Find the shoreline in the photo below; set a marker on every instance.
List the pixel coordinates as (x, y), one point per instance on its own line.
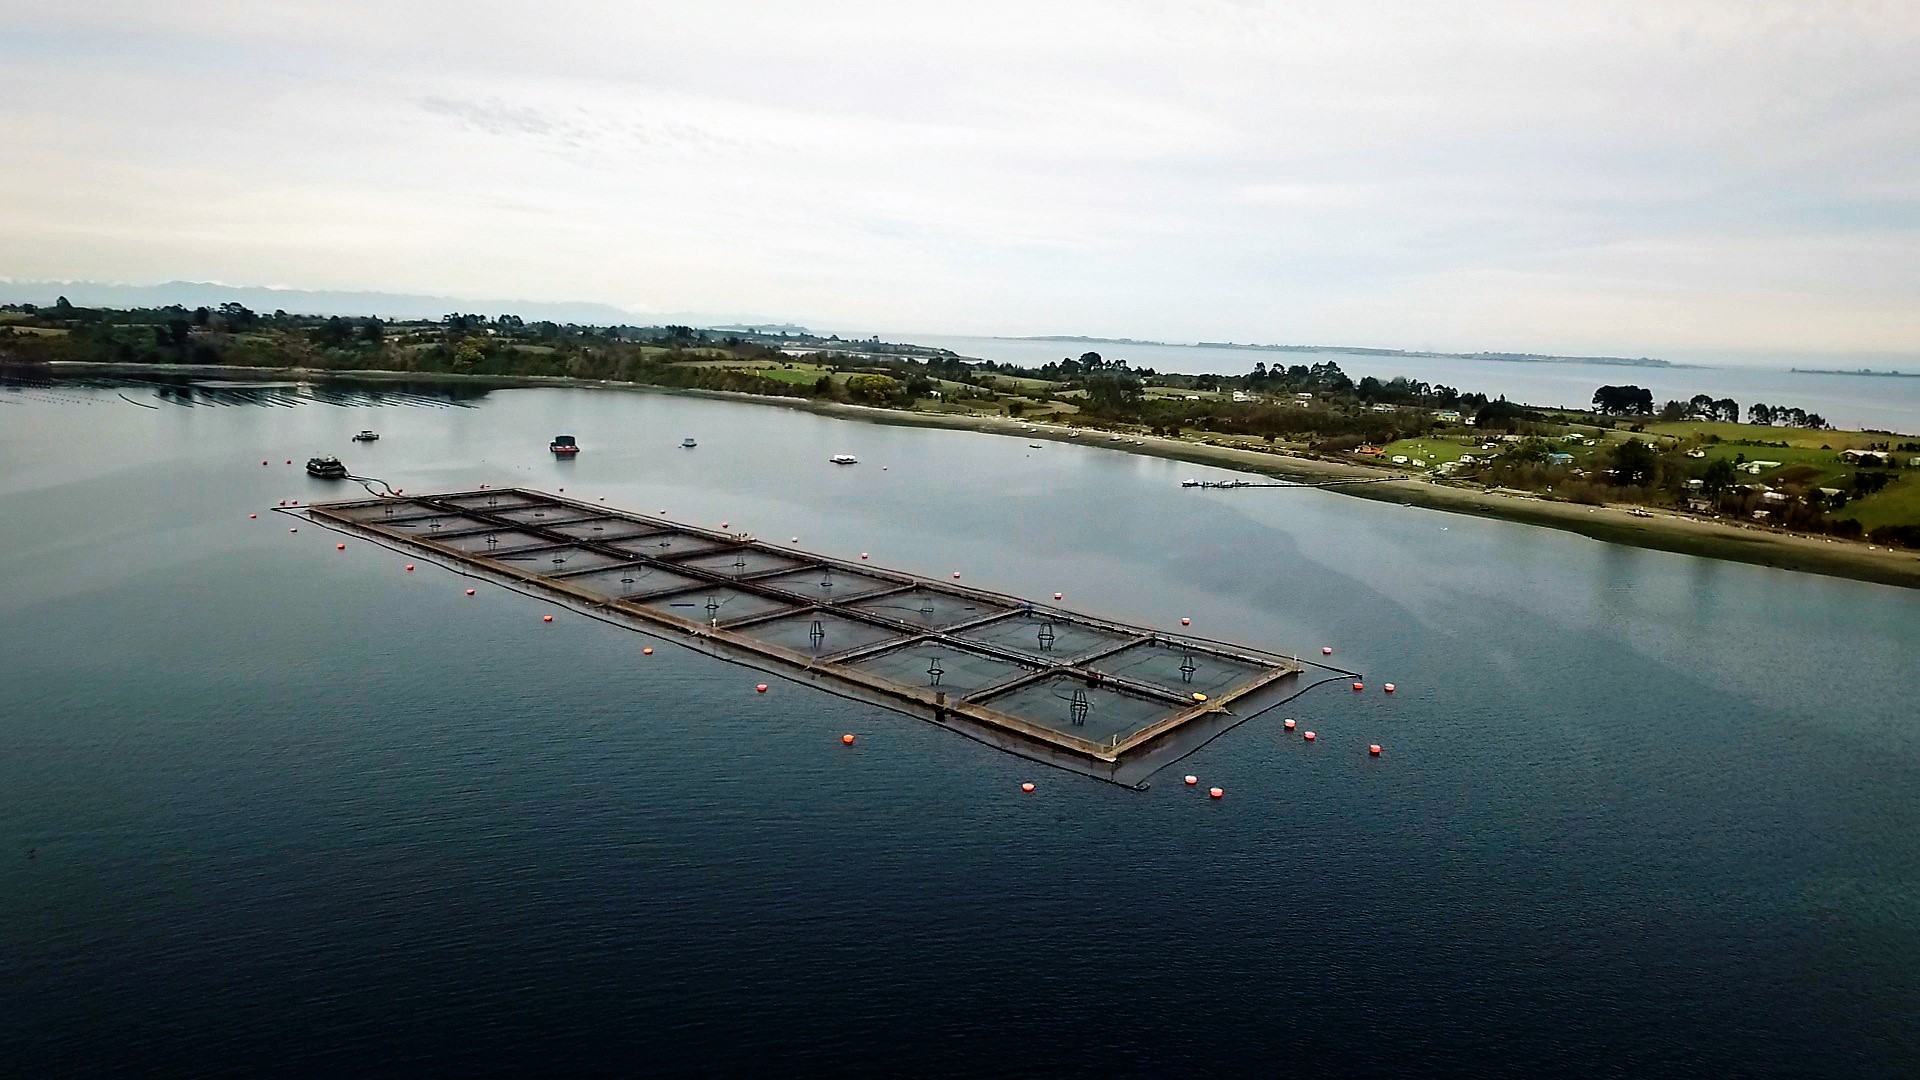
(1665, 531)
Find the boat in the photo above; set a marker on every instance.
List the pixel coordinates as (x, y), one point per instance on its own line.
(367, 436)
(326, 468)
(688, 444)
(844, 459)
(564, 445)
(1035, 446)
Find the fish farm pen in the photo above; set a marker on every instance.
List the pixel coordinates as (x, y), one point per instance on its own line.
(1102, 698)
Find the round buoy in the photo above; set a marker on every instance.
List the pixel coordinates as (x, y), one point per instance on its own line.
(251, 517)
(1059, 596)
(263, 463)
(846, 740)
(795, 540)
(1192, 780)
(723, 524)
(1197, 696)
(1308, 736)
(648, 651)
(759, 688)
(469, 592)
(1216, 793)
(1290, 724)
(1027, 787)
(546, 618)
(1389, 688)
(293, 530)
(293, 502)
(1374, 749)
(863, 554)
(1186, 622)
(282, 502)
(339, 547)
(563, 489)
(1326, 650)
(289, 461)
(956, 573)
(1359, 686)
(409, 568)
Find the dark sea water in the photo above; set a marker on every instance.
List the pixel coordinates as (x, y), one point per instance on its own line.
(271, 809)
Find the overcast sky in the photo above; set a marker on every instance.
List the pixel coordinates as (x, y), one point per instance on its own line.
(1662, 178)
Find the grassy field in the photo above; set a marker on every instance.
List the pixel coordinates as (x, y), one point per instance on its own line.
(1431, 450)
(1896, 504)
(1838, 440)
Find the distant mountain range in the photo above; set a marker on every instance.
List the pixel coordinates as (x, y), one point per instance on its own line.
(193, 294)
(1521, 358)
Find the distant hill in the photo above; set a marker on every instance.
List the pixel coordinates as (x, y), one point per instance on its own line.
(306, 301)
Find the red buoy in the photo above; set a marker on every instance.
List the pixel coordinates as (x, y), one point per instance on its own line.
(863, 554)
(339, 547)
(1374, 749)
(1192, 780)
(1326, 650)
(723, 524)
(760, 688)
(289, 461)
(1308, 736)
(1216, 793)
(1389, 688)
(1186, 622)
(546, 618)
(1027, 787)
(469, 592)
(956, 573)
(1359, 686)
(251, 517)
(846, 740)
(1289, 723)
(409, 568)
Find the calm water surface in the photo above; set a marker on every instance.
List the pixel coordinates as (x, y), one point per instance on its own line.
(266, 807)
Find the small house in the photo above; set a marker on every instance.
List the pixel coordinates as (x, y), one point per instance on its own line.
(1775, 497)
(1866, 457)
(1447, 416)
(1696, 485)
(1399, 459)
(1380, 408)
(1303, 396)
(1559, 459)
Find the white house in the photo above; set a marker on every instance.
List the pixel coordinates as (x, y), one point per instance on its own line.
(1866, 457)
(1449, 416)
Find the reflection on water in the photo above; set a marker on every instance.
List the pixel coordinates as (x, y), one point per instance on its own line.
(185, 391)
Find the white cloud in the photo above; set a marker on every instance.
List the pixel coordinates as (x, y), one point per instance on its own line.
(1617, 177)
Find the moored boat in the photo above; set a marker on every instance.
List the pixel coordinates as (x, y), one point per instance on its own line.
(844, 459)
(564, 445)
(326, 468)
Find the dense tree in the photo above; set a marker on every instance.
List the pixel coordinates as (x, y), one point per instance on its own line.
(1623, 400)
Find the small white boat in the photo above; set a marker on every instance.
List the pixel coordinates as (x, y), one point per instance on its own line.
(688, 444)
(844, 459)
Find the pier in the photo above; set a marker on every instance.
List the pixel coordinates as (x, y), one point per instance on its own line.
(1101, 697)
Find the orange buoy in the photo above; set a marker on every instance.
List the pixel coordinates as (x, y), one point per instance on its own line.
(546, 618)
(1192, 780)
(339, 547)
(1027, 787)
(1197, 696)
(1308, 736)
(760, 688)
(1289, 723)
(846, 740)
(1186, 622)
(409, 568)
(648, 651)
(1389, 688)
(1374, 749)
(1359, 686)
(1216, 793)
(1326, 650)
(469, 592)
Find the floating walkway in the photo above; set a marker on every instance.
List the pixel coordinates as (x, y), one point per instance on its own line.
(1102, 698)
